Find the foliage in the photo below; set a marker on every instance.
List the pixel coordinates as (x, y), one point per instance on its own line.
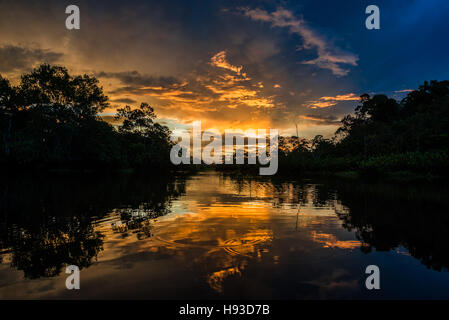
(51, 120)
(383, 135)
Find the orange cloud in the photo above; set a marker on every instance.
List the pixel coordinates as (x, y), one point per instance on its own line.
(325, 102)
(343, 97)
(219, 60)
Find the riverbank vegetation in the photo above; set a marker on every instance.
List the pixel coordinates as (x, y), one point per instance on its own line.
(51, 121)
(382, 137)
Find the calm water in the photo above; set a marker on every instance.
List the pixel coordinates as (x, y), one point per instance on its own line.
(213, 236)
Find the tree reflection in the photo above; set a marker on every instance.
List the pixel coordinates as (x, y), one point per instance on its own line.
(385, 217)
(156, 201)
(47, 223)
(44, 250)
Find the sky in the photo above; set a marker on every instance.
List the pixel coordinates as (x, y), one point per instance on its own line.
(235, 64)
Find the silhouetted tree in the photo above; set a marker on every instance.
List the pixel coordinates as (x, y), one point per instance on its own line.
(51, 119)
(383, 134)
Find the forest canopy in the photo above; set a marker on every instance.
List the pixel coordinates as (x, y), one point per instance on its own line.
(382, 135)
(51, 120)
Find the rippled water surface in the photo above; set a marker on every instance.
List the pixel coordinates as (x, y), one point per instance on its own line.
(215, 236)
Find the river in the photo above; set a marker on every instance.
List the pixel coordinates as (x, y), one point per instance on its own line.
(212, 236)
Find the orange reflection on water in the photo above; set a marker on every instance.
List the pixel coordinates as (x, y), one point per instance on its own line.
(331, 241)
(222, 225)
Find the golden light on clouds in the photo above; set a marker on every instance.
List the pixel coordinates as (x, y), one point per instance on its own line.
(325, 102)
(221, 95)
(343, 97)
(219, 60)
(239, 80)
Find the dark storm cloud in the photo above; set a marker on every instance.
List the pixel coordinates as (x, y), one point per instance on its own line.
(124, 100)
(16, 58)
(134, 78)
(322, 119)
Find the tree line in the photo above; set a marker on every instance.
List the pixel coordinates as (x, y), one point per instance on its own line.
(382, 135)
(50, 120)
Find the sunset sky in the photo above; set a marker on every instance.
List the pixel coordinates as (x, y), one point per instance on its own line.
(235, 64)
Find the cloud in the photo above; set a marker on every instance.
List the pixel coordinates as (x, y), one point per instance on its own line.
(17, 58)
(124, 100)
(134, 78)
(219, 60)
(166, 89)
(329, 56)
(216, 91)
(236, 88)
(221, 85)
(322, 104)
(325, 102)
(342, 97)
(321, 119)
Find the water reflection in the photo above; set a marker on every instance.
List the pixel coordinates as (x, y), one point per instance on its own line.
(47, 224)
(416, 219)
(215, 236)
